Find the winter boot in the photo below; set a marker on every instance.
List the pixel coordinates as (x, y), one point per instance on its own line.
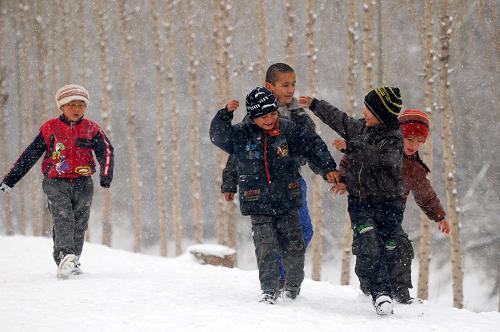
(402, 295)
(383, 305)
(269, 297)
(78, 269)
(67, 266)
(292, 291)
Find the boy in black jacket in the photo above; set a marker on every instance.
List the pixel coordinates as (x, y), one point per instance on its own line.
(374, 152)
(267, 150)
(280, 80)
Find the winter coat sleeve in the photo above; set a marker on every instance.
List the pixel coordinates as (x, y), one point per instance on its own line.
(105, 156)
(346, 126)
(27, 159)
(222, 133)
(386, 153)
(425, 196)
(308, 144)
(230, 176)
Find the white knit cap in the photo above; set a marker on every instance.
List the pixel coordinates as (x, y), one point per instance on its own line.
(71, 92)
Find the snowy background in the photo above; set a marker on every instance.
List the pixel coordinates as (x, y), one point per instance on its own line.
(45, 44)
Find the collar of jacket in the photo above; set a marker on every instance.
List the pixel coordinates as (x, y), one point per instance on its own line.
(68, 122)
(416, 157)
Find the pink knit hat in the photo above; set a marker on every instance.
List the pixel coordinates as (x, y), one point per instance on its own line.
(71, 92)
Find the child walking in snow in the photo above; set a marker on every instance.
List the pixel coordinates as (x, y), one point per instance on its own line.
(68, 163)
(267, 149)
(374, 151)
(280, 80)
(415, 129)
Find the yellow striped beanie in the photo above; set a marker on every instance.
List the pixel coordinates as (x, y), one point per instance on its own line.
(385, 103)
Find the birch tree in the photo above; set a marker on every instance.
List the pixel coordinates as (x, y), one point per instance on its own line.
(7, 217)
(195, 132)
(161, 156)
(289, 36)
(106, 111)
(131, 126)
(26, 107)
(317, 201)
(352, 37)
(263, 38)
(425, 32)
(42, 110)
(367, 46)
(174, 135)
(446, 22)
(380, 44)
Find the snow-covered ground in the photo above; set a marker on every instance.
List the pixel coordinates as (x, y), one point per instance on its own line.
(123, 291)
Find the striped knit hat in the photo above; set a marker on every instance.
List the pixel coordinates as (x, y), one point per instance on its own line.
(69, 93)
(385, 103)
(259, 102)
(414, 123)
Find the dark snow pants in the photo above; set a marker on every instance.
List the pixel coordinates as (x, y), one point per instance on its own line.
(69, 204)
(275, 236)
(401, 278)
(377, 229)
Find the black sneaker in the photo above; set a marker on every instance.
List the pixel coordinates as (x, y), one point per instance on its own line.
(402, 295)
(269, 297)
(292, 291)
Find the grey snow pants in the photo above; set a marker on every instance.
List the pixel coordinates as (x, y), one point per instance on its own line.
(274, 236)
(69, 203)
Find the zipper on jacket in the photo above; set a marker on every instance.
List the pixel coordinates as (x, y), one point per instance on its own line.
(266, 166)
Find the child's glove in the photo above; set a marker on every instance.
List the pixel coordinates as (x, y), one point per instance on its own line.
(4, 187)
(105, 182)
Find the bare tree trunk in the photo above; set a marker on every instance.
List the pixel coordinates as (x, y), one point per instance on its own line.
(195, 132)
(42, 110)
(131, 130)
(228, 210)
(85, 73)
(66, 56)
(345, 274)
(289, 27)
(456, 260)
(21, 124)
(220, 155)
(367, 46)
(317, 201)
(161, 156)
(380, 46)
(263, 38)
(28, 116)
(102, 32)
(174, 135)
(7, 220)
(425, 29)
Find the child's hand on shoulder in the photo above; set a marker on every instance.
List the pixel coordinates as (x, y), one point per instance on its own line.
(232, 105)
(305, 101)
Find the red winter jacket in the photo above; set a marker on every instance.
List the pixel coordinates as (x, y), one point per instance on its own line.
(68, 150)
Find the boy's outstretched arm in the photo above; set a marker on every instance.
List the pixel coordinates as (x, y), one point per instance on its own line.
(27, 159)
(105, 156)
(308, 144)
(221, 131)
(339, 121)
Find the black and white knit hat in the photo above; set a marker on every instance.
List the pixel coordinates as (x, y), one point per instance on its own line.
(385, 103)
(70, 93)
(259, 102)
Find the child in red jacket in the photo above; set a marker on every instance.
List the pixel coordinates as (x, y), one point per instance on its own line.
(67, 143)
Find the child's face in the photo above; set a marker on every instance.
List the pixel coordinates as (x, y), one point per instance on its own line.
(371, 120)
(284, 87)
(412, 144)
(267, 121)
(74, 110)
